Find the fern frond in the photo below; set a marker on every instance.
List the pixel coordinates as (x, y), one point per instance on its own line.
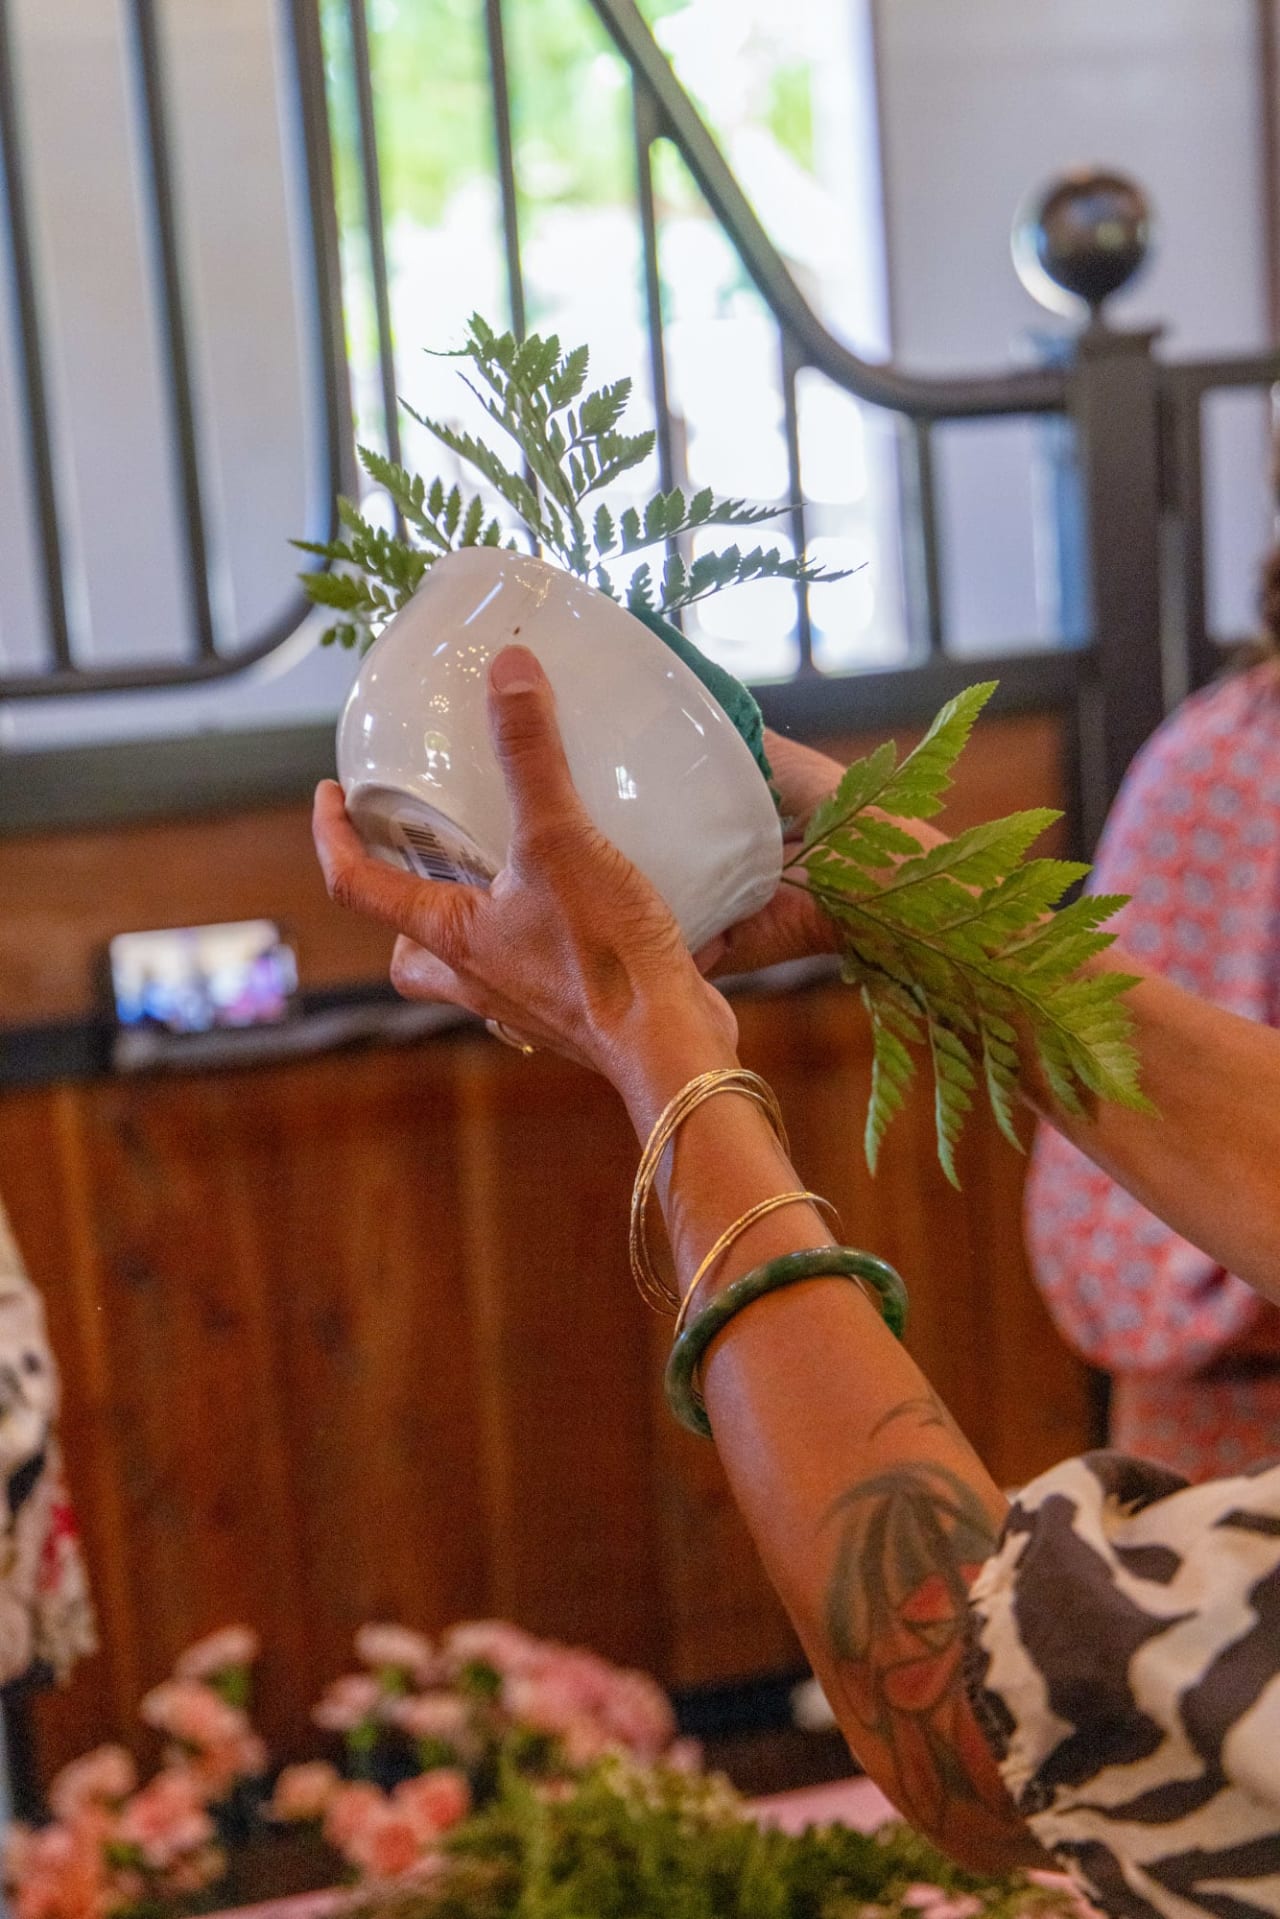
(953, 1083)
(962, 934)
(895, 1029)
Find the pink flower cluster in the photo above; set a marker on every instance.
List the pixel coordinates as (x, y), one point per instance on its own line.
(591, 1707)
(488, 1679)
(382, 1835)
(112, 1845)
(207, 1737)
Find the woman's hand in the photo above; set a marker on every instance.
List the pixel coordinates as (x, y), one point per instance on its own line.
(570, 947)
(792, 926)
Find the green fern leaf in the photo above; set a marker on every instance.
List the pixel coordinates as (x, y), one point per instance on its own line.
(924, 776)
(953, 1082)
(862, 786)
(473, 522)
(894, 1030)
(673, 579)
(1000, 1071)
(569, 378)
(640, 591)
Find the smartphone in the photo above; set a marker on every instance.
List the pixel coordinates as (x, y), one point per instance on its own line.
(185, 980)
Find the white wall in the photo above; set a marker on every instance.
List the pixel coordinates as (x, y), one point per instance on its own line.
(984, 101)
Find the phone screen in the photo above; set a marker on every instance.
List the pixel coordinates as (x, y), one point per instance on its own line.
(200, 979)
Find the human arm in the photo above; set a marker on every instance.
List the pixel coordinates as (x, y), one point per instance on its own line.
(1204, 1160)
(870, 1510)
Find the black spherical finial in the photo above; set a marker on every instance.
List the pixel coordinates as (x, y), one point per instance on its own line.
(1081, 238)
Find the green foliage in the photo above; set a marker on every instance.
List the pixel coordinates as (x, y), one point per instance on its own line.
(624, 1844)
(569, 446)
(956, 948)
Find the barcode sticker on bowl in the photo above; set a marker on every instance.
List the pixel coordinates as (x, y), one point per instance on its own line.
(425, 854)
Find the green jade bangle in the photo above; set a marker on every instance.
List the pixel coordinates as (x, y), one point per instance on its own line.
(823, 1262)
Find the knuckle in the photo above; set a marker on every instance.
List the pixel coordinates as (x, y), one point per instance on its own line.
(522, 725)
(555, 839)
(340, 882)
(450, 940)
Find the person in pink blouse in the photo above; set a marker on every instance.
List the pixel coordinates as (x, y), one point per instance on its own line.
(1194, 837)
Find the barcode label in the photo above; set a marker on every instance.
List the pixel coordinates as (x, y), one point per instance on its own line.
(425, 855)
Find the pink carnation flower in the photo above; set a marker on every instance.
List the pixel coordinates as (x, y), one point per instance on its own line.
(304, 1792)
(167, 1819)
(638, 1714)
(397, 1649)
(437, 1800)
(225, 1651)
(219, 1766)
(349, 1809)
(193, 1713)
(348, 1703)
(386, 1845)
(102, 1777)
(58, 1874)
(431, 1715)
(492, 1642)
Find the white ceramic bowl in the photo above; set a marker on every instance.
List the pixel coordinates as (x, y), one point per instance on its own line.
(662, 770)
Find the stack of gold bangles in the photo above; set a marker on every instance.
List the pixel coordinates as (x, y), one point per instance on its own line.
(693, 1336)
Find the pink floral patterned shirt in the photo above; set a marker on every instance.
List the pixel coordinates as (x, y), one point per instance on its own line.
(1194, 837)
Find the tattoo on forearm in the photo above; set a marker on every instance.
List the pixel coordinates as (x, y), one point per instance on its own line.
(927, 1410)
(910, 1541)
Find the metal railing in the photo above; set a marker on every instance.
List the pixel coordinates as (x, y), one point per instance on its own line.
(1137, 422)
(213, 654)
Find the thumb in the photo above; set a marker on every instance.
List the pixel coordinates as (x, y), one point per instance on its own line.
(526, 738)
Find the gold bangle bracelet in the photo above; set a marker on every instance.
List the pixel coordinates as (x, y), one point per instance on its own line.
(728, 1079)
(753, 1213)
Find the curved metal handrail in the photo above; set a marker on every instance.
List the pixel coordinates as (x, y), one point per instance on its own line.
(1029, 390)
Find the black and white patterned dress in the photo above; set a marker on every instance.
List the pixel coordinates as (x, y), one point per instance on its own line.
(1126, 1668)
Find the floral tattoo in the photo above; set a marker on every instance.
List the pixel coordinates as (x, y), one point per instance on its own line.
(910, 1542)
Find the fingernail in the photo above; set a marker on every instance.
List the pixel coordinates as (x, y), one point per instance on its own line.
(514, 670)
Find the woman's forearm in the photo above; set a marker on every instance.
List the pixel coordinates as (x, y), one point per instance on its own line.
(1207, 1160)
(870, 1511)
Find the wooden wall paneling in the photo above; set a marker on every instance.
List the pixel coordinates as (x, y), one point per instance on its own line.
(366, 1251)
(562, 1361)
(210, 1528)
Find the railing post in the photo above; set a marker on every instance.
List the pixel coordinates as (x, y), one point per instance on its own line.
(1075, 244)
(1115, 406)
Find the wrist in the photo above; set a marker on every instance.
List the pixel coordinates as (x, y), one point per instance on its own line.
(660, 1044)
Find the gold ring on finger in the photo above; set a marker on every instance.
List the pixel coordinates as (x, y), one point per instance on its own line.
(508, 1038)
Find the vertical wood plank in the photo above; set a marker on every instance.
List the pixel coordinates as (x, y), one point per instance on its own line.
(562, 1355)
